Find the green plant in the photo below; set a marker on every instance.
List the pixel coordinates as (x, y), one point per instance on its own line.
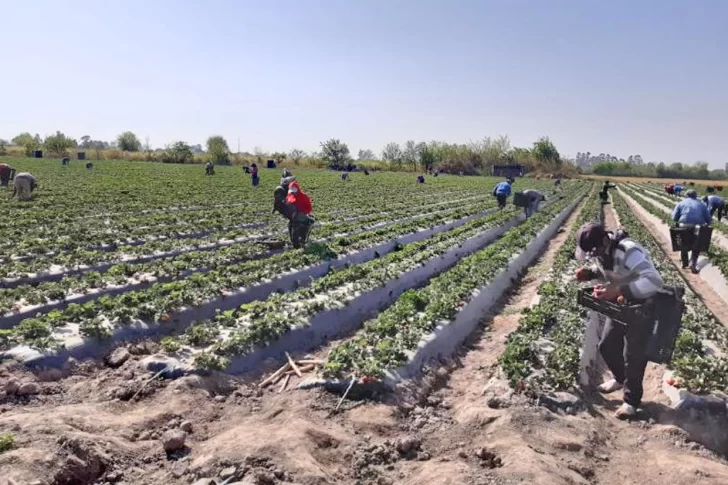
(7, 440)
(170, 344)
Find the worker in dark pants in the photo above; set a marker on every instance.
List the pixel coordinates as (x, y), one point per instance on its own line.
(604, 193)
(716, 205)
(629, 272)
(691, 213)
(534, 198)
(7, 173)
(501, 192)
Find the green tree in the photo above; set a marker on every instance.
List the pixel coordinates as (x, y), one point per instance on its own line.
(545, 152)
(335, 152)
(59, 144)
(366, 155)
(28, 142)
(177, 152)
(218, 149)
(128, 142)
(278, 156)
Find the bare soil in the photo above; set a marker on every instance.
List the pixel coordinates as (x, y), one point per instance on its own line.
(84, 427)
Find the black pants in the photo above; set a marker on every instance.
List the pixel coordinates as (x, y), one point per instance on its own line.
(694, 256)
(298, 230)
(501, 201)
(719, 209)
(623, 349)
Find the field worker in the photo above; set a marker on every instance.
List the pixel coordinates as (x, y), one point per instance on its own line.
(25, 184)
(670, 189)
(301, 222)
(715, 204)
(557, 183)
(89, 165)
(501, 192)
(209, 169)
(534, 198)
(254, 174)
(420, 179)
(690, 212)
(345, 176)
(604, 193)
(628, 270)
(6, 173)
(678, 190)
(286, 178)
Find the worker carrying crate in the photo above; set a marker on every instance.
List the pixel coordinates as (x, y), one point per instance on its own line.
(643, 316)
(692, 231)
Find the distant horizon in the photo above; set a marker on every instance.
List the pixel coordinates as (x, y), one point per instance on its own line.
(621, 77)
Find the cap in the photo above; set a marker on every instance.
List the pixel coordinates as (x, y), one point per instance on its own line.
(588, 238)
(692, 194)
(286, 173)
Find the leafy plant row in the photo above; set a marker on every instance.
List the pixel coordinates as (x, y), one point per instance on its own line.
(556, 319)
(385, 342)
(236, 332)
(124, 274)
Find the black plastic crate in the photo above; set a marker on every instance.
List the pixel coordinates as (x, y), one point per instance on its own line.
(624, 313)
(668, 309)
(684, 238)
(520, 199)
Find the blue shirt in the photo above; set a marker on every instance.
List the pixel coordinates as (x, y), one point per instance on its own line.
(714, 201)
(503, 188)
(691, 211)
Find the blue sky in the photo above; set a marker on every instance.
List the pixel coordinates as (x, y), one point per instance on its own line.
(624, 77)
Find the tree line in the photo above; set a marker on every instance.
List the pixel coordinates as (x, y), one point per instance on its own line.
(635, 166)
(471, 158)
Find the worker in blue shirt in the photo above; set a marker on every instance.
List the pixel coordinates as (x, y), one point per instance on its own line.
(501, 192)
(678, 189)
(690, 213)
(715, 204)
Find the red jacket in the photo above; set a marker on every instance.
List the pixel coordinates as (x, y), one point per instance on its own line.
(298, 198)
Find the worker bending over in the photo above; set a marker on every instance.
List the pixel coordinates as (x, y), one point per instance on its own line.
(629, 272)
(534, 198)
(501, 192)
(716, 205)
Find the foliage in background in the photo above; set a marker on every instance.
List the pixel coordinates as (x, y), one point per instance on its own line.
(334, 152)
(177, 152)
(217, 148)
(59, 144)
(128, 142)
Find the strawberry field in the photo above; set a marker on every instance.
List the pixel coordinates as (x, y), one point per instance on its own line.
(135, 250)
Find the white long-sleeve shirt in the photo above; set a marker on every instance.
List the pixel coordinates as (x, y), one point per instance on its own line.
(633, 271)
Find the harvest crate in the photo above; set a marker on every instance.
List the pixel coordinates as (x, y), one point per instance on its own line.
(684, 238)
(622, 313)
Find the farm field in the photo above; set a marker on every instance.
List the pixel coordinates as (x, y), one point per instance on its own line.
(422, 337)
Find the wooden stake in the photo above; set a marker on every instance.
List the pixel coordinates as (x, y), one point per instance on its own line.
(310, 361)
(284, 384)
(275, 375)
(351, 384)
(293, 365)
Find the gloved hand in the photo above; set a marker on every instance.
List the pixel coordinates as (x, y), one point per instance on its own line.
(584, 274)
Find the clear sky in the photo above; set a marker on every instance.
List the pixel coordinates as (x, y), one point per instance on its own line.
(623, 77)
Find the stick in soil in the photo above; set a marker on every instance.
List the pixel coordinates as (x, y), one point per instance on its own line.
(284, 384)
(148, 381)
(275, 375)
(293, 365)
(310, 361)
(351, 384)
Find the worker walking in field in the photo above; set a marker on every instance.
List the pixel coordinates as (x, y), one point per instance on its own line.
(254, 174)
(6, 174)
(716, 205)
(24, 186)
(690, 213)
(209, 169)
(534, 198)
(501, 192)
(629, 273)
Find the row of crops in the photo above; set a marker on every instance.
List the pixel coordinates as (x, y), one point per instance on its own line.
(544, 353)
(223, 298)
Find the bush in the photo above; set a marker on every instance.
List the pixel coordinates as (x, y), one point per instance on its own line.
(177, 152)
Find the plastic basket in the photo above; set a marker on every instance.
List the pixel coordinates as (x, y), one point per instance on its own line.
(684, 238)
(668, 309)
(624, 313)
(520, 199)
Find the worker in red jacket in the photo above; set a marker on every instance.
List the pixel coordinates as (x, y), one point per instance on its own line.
(302, 220)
